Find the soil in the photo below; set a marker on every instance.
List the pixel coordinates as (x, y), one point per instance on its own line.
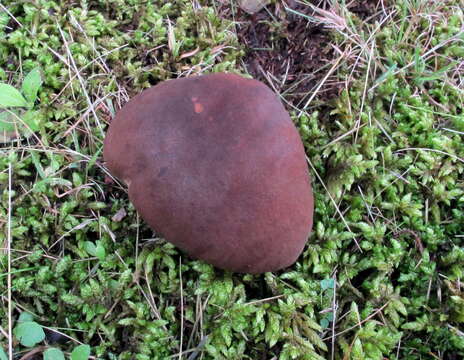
(368, 10)
(289, 53)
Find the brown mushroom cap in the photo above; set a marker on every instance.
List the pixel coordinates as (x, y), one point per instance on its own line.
(215, 164)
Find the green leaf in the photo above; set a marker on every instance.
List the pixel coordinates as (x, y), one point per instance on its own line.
(90, 248)
(400, 307)
(82, 352)
(29, 333)
(53, 354)
(357, 351)
(100, 252)
(25, 316)
(327, 284)
(7, 122)
(3, 355)
(330, 316)
(38, 166)
(42, 185)
(311, 323)
(31, 85)
(316, 339)
(94, 159)
(30, 118)
(273, 331)
(413, 325)
(324, 323)
(12, 124)
(387, 73)
(10, 97)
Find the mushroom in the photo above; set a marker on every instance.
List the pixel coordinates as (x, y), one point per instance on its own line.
(215, 164)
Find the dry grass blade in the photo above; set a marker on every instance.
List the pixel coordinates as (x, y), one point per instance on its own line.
(379, 310)
(181, 309)
(81, 80)
(330, 72)
(63, 334)
(4, 333)
(329, 18)
(151, 301)
(9, 285)
(358, 122)
(334, 312)
(33, 353)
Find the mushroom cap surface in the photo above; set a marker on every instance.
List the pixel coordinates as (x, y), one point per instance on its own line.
(215, 164)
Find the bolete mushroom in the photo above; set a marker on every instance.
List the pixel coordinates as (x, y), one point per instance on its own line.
(215, 164)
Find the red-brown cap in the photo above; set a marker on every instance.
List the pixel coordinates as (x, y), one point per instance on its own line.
(215, 164)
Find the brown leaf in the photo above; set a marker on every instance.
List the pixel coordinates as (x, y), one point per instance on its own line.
(190, 53)
(121, 214)
(253, 6)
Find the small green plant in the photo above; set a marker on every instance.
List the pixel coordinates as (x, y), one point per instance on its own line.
(3, 355)
(27, 331)
(97, 250)
(53, 354)
(17, 116)
(327, 284)
(30, 333)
